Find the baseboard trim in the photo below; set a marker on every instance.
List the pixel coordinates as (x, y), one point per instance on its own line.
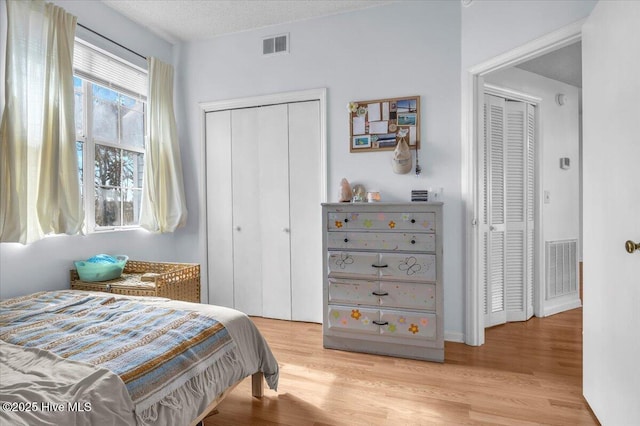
(561, 307)
(454, 336)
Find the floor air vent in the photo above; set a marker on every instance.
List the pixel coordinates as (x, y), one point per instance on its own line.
(275, 44)
(562, 268)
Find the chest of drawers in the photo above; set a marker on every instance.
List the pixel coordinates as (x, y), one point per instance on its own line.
(383, 279)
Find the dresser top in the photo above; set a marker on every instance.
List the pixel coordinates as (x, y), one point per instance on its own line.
(385, 204)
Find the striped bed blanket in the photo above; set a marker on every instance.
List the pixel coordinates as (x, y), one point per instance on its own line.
(154, 350)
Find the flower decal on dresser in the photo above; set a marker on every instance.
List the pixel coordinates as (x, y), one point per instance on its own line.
(355, 314)
(414, 329)
(338, 224)
(392, 224)
(368, 223)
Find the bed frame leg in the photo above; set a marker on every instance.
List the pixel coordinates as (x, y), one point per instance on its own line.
(257, 380)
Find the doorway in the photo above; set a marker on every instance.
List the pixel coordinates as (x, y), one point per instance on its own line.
(473, 91)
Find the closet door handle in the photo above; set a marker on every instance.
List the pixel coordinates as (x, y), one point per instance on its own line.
(285, 230)
(237, 228)
(380, 322)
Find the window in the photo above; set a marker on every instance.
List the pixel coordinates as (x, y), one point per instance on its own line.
(110, 132)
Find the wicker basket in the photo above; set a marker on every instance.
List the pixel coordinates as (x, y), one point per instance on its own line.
(178, 281)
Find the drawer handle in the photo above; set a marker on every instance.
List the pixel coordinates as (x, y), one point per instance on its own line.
(346, 220)
(380, 322)
(346, 240)
(413, 241)
(413, 221)
(376, 293)
(380, 266)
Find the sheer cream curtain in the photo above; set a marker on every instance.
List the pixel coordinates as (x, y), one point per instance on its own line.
(39, 183)
(164, 207)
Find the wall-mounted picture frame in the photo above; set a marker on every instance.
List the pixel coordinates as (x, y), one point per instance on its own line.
(374, 124)
(361, 142)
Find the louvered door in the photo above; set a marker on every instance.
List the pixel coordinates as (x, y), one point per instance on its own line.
(519, 145)
(508, 210)
(493, 221)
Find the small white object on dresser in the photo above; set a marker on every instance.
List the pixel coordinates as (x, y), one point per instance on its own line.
(383, 288)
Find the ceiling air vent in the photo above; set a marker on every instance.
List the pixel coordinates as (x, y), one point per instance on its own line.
(275, 44)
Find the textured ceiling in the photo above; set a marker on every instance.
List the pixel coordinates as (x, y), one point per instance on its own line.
(190, 20)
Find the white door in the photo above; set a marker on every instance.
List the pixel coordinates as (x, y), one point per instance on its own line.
(507, 172)
(271, 208)
(247, 233)
(220, 230)
(611, 206)
(264, 189)
(305, 213)
(519, 197)
(492, 226)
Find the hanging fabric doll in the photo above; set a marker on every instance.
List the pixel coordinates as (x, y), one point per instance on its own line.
(401, 160)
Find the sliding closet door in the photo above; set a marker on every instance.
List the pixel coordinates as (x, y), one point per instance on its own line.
(306, 217)
(271, 198)
(247, 233)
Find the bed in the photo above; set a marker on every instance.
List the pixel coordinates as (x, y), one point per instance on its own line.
(77, 357)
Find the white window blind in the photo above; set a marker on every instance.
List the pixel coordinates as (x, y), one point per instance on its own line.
(98, 66)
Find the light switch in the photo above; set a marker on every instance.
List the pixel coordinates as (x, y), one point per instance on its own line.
(547, 197)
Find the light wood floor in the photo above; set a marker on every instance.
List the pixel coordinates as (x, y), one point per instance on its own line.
(526, 373)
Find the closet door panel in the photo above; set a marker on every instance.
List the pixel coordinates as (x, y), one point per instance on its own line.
(305, 165)
(516, 205)
(273, 210)
(493, 225)
(219, 210)
(246, 223)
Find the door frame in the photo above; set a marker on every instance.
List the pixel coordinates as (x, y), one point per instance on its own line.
(472, 96)
(319, 94)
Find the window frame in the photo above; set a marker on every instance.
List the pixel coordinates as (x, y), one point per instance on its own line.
(85, 136)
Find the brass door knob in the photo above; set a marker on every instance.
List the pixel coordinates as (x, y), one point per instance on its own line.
(631, 246)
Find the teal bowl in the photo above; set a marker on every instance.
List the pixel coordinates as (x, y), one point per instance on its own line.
(101, 267)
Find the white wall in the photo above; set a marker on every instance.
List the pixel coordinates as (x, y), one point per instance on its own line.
(559, 138)
(45, 264)
(493, 27)
(404, 49)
